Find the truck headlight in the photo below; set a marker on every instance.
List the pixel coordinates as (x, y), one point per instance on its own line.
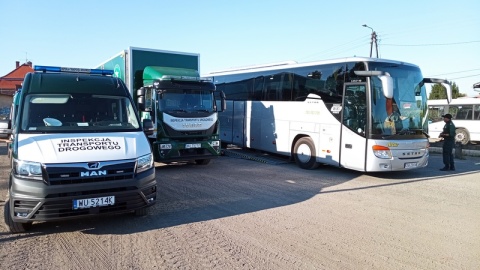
(144, 163)
(27, 169)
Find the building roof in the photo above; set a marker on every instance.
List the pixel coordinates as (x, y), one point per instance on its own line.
(13, 80)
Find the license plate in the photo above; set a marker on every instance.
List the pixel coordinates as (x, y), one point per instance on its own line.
(193, 145)
(93, 202)
(411, 165)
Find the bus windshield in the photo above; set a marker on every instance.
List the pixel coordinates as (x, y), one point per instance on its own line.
(405, 112)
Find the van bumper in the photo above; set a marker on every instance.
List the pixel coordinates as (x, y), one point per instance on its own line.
(32, 200)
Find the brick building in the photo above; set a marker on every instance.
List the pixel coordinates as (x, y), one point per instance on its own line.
(11, 83)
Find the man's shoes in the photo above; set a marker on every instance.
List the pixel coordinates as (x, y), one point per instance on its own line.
(445, 169)
(452, 168)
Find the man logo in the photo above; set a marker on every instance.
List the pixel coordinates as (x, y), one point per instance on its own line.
(93, 173)
(93, 165)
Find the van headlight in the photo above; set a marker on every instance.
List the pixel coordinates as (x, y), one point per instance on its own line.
(144, 163)
(27, 169)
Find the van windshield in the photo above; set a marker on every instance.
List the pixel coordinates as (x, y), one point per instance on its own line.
(77, 113)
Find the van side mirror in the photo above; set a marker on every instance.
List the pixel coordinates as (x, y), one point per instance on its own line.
(148, 126)
(5, 129)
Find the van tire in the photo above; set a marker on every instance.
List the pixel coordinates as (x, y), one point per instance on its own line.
(304, 154)
(202, 161)
(462, 136)
(14, 227)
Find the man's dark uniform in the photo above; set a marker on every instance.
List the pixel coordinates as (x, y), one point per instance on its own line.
(448, 144)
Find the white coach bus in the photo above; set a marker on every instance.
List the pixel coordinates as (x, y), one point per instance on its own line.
(364, 114)
(465, 115)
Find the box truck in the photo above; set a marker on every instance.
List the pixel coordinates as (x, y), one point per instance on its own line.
(168, 89)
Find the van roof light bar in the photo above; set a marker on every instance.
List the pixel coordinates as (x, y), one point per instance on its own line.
(73, 70)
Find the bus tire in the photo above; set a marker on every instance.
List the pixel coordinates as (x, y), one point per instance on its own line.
(202, 161)
(462, 136)
(304, 154)
(14, 227)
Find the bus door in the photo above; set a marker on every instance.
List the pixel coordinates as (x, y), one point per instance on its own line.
(354, 120)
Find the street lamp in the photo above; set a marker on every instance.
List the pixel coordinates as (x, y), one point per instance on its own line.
(373, 39)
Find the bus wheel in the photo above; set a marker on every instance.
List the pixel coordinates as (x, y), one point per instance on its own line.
(202, 161)
(14, 227)
(462, 136)
(304, 154)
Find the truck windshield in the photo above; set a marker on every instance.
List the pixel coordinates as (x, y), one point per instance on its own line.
(405, 112)
(186, 100)
(78, 113)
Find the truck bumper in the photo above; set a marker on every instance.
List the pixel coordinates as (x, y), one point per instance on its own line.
(185, 151)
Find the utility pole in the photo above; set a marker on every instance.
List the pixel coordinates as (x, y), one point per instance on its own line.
(373, 40)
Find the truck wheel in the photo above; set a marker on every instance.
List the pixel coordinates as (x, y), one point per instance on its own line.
(304, 154)
(141, 212)
(14, 227)
(202, 161)
(462, 136)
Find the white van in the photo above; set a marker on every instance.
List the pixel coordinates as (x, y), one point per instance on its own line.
(78, 149)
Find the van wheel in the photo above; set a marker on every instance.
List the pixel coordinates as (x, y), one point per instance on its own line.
(202, 161)
(462, 136)
(14, 227)
(141, 212)
(304, 153)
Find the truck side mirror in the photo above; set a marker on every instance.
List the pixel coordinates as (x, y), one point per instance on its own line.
(223, 103)
(141, 103)
(148, 126)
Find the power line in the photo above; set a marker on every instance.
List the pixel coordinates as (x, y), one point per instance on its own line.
(454, 72)
(465, 77)
(431, 44)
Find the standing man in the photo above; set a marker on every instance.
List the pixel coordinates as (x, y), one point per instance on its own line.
(448, 135)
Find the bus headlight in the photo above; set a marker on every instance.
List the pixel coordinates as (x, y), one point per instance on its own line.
(381, 151)
(144, 163)
(27, 169)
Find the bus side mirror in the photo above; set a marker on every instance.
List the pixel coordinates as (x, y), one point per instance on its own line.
(387, 85)
(148, 126)
(444, 83)
(385, 78)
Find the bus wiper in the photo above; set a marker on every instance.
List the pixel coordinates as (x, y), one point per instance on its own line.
(406, 132)
(179, 110)
(202, 110)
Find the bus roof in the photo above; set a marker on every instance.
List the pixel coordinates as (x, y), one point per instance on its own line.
(293, 64)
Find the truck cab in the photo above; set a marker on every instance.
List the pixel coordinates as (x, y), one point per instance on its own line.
(78, 148)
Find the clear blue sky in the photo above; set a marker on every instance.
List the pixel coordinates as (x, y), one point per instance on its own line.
(442, 37)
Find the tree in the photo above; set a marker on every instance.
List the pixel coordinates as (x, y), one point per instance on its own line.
(439, 92)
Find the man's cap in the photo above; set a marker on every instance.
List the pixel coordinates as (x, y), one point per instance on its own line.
(449, 116)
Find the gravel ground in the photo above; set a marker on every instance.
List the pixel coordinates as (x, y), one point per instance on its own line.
(242, 214)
